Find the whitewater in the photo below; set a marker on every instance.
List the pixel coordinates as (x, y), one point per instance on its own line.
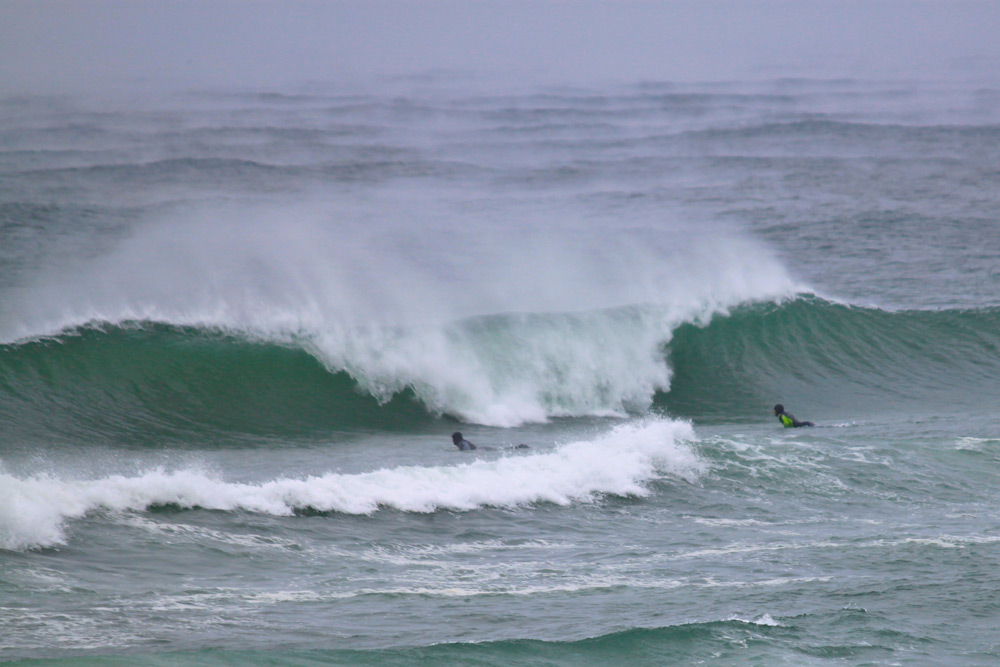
(238, 327)
(36, 509)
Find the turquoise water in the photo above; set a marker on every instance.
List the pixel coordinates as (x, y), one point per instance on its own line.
(237, 329)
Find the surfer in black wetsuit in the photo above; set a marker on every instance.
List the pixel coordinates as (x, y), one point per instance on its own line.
(466, 446)
(461, 442)
(787, 420)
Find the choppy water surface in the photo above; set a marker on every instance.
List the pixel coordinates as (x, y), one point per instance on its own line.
(238, 328)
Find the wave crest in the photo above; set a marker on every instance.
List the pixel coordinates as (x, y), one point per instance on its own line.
(623, 462)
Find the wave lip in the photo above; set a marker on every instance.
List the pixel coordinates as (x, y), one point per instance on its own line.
(34, 511)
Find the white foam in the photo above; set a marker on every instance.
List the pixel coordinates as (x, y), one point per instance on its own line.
(422, 554)
(969, 443)
(764, 619)
(726, 523)
(515, 369)
(34, 511)
(172, 532)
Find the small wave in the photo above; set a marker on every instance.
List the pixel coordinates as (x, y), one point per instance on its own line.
(34, 510)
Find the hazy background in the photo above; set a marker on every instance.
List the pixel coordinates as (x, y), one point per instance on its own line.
(46, 44)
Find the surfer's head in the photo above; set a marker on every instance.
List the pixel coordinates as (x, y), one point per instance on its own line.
(779, 408)
(456, 437)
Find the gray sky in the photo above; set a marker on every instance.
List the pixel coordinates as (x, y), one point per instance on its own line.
(50, 44)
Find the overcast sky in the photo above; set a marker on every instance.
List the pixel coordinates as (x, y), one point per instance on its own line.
(50, 44)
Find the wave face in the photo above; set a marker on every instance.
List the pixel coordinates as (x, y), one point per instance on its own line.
(850, 360)
(146, 382)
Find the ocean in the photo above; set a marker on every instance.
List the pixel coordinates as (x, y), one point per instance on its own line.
(238, 327)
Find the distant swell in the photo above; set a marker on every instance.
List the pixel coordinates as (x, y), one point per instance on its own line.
(733, 640)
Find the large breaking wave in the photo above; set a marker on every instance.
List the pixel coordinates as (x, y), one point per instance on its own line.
(144, 381)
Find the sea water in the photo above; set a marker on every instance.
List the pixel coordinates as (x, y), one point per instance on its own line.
(238, 327)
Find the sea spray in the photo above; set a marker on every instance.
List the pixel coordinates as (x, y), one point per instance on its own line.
(505, 324)
(622, 462)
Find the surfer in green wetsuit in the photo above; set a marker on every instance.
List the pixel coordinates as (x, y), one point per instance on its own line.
(787, 420)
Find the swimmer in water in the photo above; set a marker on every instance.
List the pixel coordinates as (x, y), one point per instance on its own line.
(466, 446)
(460, 442)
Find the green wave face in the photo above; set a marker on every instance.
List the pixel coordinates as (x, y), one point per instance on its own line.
(143, 382)
(839, 360)
(156, 382)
